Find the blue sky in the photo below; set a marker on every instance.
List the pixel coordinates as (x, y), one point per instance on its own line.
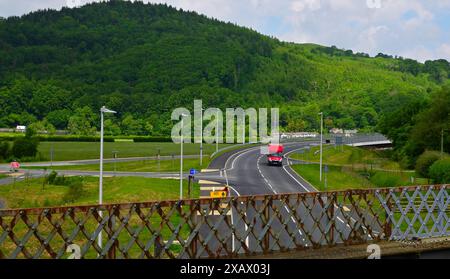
(418, 29)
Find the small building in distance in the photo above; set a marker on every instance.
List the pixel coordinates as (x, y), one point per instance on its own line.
(21, 128)
(336, 131)
(299, 135)
(350, 133)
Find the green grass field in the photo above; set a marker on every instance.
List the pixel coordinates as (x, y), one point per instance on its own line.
(343, 178)
(31, 193)
(63, 151)
(349, 156)
(140, 166)
(336, 178)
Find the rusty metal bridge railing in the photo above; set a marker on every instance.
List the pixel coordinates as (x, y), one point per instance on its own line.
(231, 227)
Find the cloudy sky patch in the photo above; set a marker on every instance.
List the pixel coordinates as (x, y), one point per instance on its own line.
(418, 29)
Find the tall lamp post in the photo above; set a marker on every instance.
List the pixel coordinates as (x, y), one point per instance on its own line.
(100, 192)
(321, 143)
(201, 137)
(243, 129)
(217, 130)
(181, 155)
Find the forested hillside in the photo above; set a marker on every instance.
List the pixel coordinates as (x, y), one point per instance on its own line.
(60, 67)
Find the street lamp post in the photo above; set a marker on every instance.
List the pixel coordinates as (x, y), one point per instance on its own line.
(321, 143)
(217, 130)
(100, 192)
(115, 161)
(181, 156)
(201, 137)
(243, 129)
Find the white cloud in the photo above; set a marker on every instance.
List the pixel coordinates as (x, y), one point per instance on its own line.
(413, 28)
(302, 5)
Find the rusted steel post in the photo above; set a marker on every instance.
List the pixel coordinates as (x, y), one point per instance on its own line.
(111, 225)
(266, 241)
(388, 223)
(193, 244)
(159, 240)
(189, 186)
(333, 203)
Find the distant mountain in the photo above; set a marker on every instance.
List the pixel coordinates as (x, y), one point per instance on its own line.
(143, 60)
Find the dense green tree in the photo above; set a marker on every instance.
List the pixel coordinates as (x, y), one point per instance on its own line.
(425, 161)
(82, 122)
(440, 171)
(111, 128)
(131, 126)
(25, 146)
(143, 60)
(431, 122)
(59, 118)
(44, 127)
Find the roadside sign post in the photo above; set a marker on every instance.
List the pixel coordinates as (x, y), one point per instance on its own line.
(158, 158)
(173, 161)
(189, 186)
(218, 194)
(192, 172)
(326, 174)
(115, 159)
(51, 155)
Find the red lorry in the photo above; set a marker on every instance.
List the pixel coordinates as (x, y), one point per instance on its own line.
(275, 155)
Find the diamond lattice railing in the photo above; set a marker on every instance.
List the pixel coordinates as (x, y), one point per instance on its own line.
(230, 227)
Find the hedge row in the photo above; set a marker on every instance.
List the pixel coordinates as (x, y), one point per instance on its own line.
(90, 138)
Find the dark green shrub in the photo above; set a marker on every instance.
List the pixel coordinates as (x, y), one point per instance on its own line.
(60, 180)
(425, 161)
(75, 191)
(25, 147)
(51, 177)
(152, 139)
(440, 171)
(382, 179)
(4, 150)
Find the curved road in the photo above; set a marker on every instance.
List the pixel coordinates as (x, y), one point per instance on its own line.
(247, 172)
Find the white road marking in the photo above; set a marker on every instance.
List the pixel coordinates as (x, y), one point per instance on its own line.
(284, 168)
(345, 208)
(245, 151)
(201, 181)
(273, 190)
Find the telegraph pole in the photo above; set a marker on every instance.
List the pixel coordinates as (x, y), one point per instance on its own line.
(321, 143)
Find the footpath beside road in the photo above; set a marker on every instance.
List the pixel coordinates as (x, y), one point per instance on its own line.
(96, 161)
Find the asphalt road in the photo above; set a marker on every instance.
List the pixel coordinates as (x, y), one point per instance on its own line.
(247, 173)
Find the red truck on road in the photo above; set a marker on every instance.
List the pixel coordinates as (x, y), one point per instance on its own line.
(275, 156)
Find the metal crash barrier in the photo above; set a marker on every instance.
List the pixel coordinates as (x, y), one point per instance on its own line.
(230, 227)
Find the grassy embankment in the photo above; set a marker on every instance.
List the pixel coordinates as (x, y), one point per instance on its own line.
(32, 192)
(170, 165)
(351, 168)
(64, 151)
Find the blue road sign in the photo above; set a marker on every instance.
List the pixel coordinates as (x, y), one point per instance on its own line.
(192, 171)
(326, 168)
